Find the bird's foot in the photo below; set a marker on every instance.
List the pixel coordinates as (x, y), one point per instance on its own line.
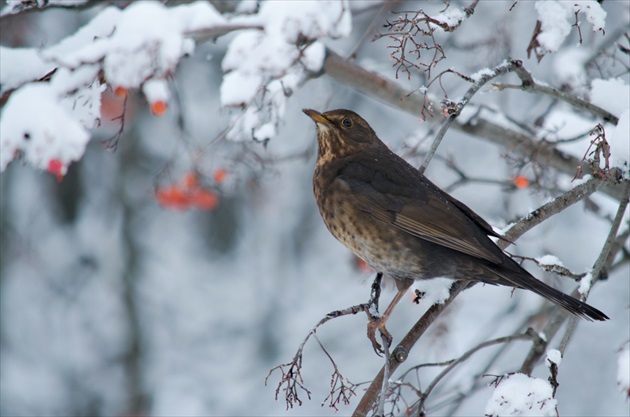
(378, 323)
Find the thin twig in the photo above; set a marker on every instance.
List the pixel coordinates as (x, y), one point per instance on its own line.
(291, 377)
(555, 206)
(559, 315)
(563, 96)
(506, 339)
(501, 69)
(385, 386)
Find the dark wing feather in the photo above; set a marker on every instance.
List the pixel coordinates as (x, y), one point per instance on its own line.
(398, 194)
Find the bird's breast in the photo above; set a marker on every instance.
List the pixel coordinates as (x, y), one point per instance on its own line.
(377, 243)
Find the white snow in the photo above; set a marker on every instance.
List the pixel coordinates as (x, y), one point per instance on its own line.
(254, 57)
(85, 104)
(21, 65)
(612, 95)
(147, 43)
(53, 125)
(562, 123)
(436, 290)
(568, 65)
(451, 16)
(34, 123)
(138, 47)
(521, 395)
(135, 47)
(313, 56)
(16, 6)
(549, 260)
(585, 283)
(593, 11)
(78, 47)
(556, 19)
(555, 27)
(196, 16)
(554, 356)
(476, 77)
(311, 19)
(619, 140)
(156, 90)
(270, 59)
(247, 6)
(238, 89)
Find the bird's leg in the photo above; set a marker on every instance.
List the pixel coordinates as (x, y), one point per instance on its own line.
(375, 295)
(378, 322)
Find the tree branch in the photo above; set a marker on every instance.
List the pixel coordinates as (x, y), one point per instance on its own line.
(389, 92)
(529, 85)
(559, 316)
(457, 108)
(529, 334)
(600, 263)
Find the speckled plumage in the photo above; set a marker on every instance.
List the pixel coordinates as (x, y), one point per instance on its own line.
(400, 223)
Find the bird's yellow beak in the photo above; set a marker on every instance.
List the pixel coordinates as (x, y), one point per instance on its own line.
(316, 116)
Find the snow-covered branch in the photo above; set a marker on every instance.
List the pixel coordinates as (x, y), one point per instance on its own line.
(139, 48)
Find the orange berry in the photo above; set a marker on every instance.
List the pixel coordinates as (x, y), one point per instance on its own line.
(204, 199)
(191, 180)
(120, 91)
(362, 266)
(158, 108)
(521, 182)
(219, 175)
(172, 197)
(56, 167)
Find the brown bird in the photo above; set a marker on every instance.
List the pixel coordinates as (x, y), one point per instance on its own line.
(403, 225)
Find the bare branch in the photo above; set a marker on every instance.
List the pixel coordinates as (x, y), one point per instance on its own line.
(341, 389)
(211, 33)
(34, 6)
(559, 316)
(111, 143)
(501, 69)
(556, 269)
(529, 85)
(413, 33)
(385, 386)
(600, 263)
(382, 89)
(529, 334)
(291, 377)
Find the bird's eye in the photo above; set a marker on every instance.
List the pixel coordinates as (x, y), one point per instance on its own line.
(346, 122)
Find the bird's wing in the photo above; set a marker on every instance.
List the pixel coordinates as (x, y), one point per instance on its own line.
(414, 206)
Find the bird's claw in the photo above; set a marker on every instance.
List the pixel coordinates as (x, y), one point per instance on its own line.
(377, 323)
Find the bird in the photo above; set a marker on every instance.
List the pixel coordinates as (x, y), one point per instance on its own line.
(402, 225)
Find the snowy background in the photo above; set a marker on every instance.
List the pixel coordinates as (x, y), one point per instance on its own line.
(119, 294)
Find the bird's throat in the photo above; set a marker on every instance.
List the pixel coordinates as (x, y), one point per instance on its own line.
(330, 146)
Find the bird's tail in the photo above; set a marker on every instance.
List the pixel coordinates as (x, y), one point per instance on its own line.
(523, 279)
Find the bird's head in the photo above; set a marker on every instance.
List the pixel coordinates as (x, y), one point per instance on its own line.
(341, 133)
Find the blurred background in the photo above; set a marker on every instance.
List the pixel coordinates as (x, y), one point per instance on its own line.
(114, 302)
